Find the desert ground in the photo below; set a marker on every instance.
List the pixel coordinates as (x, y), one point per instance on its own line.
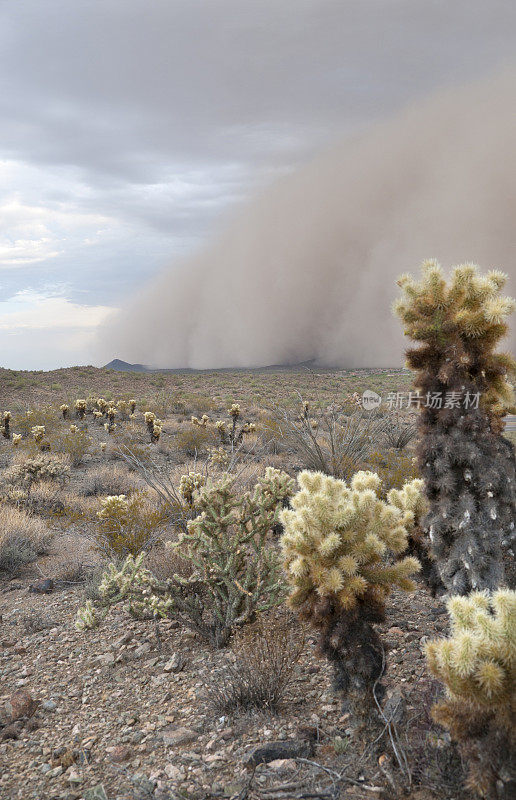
(138, 708)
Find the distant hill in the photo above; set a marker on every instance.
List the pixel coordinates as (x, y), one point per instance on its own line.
(123, 366)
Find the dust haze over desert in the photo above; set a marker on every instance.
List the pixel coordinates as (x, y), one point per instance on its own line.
(307, 269)
(218, 183)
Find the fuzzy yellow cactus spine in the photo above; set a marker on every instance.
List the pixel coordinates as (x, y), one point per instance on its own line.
(335, 545)
(464, 386)
(477, 665)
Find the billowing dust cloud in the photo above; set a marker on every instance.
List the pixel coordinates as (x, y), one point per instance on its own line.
(307, 270)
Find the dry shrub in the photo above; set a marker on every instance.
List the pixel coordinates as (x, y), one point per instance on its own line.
(128, 525)
(194, 440)
(75, 444)
(106, 480)
(265, 658)
(23, 538)
(395, 468)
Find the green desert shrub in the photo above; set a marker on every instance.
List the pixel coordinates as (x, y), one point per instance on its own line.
(477, 665)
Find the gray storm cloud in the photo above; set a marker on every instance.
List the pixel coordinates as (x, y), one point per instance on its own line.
(307, 269)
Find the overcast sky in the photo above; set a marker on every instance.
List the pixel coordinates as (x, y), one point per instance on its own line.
(129, 129)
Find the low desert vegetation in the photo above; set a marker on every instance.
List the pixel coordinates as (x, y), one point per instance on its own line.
(259, 515)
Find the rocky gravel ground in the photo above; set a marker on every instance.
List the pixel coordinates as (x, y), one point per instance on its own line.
(121, 713)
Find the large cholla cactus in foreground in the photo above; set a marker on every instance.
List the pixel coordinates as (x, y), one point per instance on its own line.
(232, 570)
(477, 665)
(335, 545)
(462, 382)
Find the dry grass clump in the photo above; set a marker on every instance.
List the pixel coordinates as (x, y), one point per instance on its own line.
(265, 659)
(23, 538)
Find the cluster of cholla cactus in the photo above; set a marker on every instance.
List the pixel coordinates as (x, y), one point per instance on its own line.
(232, 573)
(477, 665)
(64, 408)
(336, 545)
(6, 425)
(463, 389)
(231, 434)
(154, 426)
(81, 407)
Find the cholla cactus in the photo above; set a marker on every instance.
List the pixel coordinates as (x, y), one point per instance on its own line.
(149, 421)
(65, 410)
(87, 617)
(17, 437)
(110, 427)
(6, 422)
(234, 410)
(103, 447)
(233, 573)
(98, 415)
(111, 413)
(132, 406)
(102, 405)
(74, 429)
(202, 422)
(411, 499)
(80, 408)
(218, 457)
(157, 429)
(477, 665)
(469, 469)
(123, 408)
(38, 432)
(189, 484)
(335, 545)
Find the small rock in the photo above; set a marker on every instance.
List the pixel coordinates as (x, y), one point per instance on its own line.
(290, 748)
(176, 663)
(120, 753)
(49, 705)
(105, 659)
(175, 736)
(12, 731)
(96, 793)
(55, 773)
(44, 586)
(74, 777)
(142, 650)
(21, 704)
(174, 773)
